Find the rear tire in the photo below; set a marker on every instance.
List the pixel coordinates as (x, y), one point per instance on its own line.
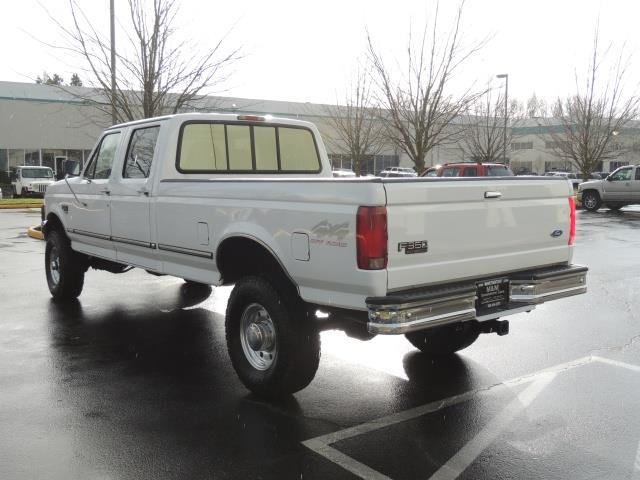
(445, 340)
(591, 200)
(64, 268)
(272, 341)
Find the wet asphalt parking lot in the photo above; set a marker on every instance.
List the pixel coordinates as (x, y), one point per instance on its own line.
(133, 382)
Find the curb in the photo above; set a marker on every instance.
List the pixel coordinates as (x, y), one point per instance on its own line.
(20, 205)
(36, 232)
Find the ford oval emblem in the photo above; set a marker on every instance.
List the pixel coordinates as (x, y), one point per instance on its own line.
(556, 233)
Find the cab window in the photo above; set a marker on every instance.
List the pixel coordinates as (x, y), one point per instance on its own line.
(102, 161)
(231, 147)
(140, 153)
(451, 172)
(622, 175)
(470, 172)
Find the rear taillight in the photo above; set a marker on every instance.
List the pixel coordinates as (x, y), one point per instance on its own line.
(371, 238)
(572, 215)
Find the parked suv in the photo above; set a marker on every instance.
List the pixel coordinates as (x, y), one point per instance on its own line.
(472, 169)
(619, 189)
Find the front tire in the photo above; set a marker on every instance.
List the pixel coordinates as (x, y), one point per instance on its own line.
(445, 340)
(591, 200)
(273, 344)
(64, 268)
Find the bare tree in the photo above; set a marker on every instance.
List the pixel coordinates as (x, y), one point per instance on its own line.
(536, 107)
(420, 107)
(585, 124)
(156, 73)
(357, 127)
(482, 139)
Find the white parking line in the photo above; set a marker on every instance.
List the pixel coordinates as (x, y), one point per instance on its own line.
(636, 466)
(616, 363)
(539, 380)
(467, 455)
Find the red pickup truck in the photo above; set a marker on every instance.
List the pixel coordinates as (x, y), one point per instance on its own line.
(469, 169)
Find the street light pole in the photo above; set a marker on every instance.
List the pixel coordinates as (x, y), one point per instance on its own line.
(113, 63)
(506, 114)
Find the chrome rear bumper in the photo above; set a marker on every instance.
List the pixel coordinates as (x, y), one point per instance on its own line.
(420, 309)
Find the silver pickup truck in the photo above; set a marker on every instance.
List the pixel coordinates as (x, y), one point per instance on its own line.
(618, 190)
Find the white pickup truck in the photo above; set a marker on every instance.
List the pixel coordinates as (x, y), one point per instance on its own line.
(249, 200)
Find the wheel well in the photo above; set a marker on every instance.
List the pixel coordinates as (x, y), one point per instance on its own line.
(53, 223)
(237, 257)
(591, 190)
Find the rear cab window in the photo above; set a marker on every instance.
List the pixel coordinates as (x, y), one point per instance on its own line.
(228, 147)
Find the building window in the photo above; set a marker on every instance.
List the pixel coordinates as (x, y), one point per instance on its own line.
(522, 146)
(556, 145)
(16, 158)
(4, 160)
(614, 165)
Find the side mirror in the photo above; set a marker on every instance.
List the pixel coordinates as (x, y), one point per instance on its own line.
(609, 179)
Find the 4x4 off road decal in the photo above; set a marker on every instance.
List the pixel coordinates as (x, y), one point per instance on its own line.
(417, 246)
(325, 233)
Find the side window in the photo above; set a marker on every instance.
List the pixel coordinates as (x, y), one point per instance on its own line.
(637, 173)
(100, 166)
(622, 175)
(451, 172)
(142, 146)
(203, 147)
(470, 172)
(297, 150)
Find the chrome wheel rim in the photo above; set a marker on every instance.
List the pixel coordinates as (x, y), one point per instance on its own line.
(590, 201)
(258, 337)
(54, 265)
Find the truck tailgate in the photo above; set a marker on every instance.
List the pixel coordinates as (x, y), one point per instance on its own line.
(474, 228)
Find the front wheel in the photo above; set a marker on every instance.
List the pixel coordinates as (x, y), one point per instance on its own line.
(273, 344)
(445, 340)
(591, 200)
(64, 268)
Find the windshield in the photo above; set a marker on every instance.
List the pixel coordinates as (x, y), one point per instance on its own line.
(37, 173)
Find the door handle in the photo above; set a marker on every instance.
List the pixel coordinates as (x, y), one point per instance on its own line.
(492, 194)
(144, 191)
(106, 191)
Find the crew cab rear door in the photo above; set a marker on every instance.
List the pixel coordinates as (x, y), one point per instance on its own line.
(470, 228)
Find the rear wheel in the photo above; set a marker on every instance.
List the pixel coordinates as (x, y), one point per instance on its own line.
(445, 340)
(273, 344)
(591, 200)
(64, 267)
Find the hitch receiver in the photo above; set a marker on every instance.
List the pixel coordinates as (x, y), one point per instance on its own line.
(501, 327)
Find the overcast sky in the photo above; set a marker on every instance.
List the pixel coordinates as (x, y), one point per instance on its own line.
(307, 51)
